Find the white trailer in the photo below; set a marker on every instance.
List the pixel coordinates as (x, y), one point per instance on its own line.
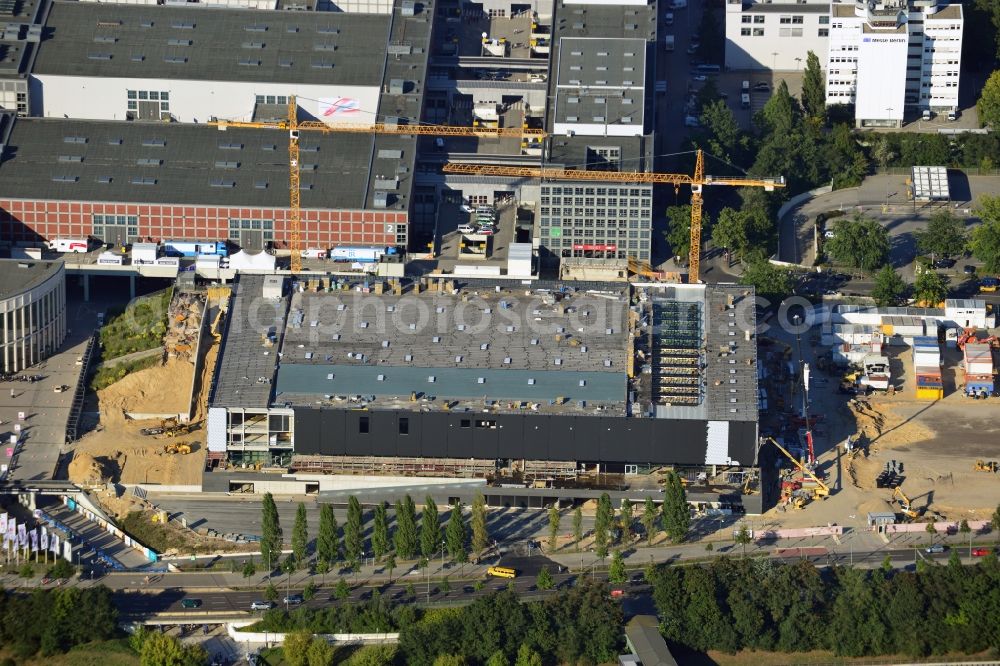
(75, 245)
(145, 253)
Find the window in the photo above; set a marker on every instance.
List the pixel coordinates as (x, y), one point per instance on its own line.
(745, 19)
(785, 20)
(758, 32)
(744, 32)
(465, 423)
(824, 32)
(796, 20)
(404, 425)
(824, 20)
(363, 425)
(758, 19)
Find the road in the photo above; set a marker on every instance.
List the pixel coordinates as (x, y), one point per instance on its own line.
(420, 589)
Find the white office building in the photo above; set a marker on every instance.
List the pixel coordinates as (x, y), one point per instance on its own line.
(775, 35)
(891, 58)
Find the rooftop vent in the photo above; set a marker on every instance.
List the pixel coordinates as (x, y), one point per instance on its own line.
(179, 42)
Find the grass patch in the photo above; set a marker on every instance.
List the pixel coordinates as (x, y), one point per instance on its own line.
(139, 326)
(152, 535)
(115, 652)
(107, 376)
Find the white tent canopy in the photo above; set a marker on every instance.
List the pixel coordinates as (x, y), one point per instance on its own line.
(244, 261)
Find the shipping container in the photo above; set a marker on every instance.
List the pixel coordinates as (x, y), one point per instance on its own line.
(145, 253)
(179, 248)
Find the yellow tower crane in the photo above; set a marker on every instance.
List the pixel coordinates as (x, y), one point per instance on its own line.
(696, 181)
(294, 127)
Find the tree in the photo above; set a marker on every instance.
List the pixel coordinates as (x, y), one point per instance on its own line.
(327, 541)
(525, 655)
(354, 540)
(889, 287)
(676, 513)
(380, 532)
(270, 527)
(995, 522)
(732, 232)
(456, 534)
(271, 592)
(649, 520)
(480, 535)
(725, 137)
(617, 573)
(626, 519)
(162, 650)
(882, 151)
(296, 647)
(554, 518)
(322, 568)
(390, 564)
(944, 236)
(988, 105)
(577, 527)
(813, 89)
(602, 523)
(544, 580)
(931, 530)
(430, 529)
(405, 537)
(249, 568)
(300, 534)
(498, 658)
(678, 233)
(929, 288)
(342, 590)
(781, 114)
(859, 242)
(985, 239)
(770, 281)
(320, 653)
(309, 591)
(742, 538)
(449, 660)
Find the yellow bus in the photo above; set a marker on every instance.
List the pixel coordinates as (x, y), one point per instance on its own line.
(502, 572)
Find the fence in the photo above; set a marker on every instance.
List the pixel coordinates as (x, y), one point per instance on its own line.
(273, 638)
(74, 505)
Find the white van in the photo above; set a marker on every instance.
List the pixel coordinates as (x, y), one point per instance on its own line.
(745, 86)
(75, 245)
(466, 229)
(745, 100)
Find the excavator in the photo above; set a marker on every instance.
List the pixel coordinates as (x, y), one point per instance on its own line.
(986, 466)
(904, 504)
(182, 448)
(793, 489)
(170, 427)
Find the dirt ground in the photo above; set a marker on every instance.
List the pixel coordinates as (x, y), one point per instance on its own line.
(161, 389)
(937, 443)
(116, 451)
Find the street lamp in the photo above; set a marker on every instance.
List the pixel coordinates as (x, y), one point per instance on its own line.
(774, 60)
(798, 63)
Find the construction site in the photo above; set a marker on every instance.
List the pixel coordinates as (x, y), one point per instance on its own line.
(151, 431)
(905, 428)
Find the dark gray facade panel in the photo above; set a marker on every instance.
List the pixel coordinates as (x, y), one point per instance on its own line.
(533, 437)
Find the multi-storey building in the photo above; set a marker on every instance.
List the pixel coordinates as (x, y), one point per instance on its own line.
(775, 36)
(891, 57)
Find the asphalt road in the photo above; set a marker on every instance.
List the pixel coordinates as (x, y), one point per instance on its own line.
(221, 602)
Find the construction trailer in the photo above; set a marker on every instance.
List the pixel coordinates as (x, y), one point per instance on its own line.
(978, 366)
(927, 368)
(875, 372)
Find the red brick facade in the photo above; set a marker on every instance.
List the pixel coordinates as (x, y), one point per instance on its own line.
(35, 221)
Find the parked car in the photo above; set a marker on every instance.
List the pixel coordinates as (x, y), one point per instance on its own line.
(261, 605)
(980, 552)
(953, 115)
(761, 86)
(190, 603)
(944, 263)
(968, 269)
(936, 548)
(466, 229)
(691, 121)
(293, 600)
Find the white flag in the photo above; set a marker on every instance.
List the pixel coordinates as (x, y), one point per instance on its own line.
(3, 522)
(22, 535)
(44, 541)
(54, 542)
(11, 529)
(34, 540)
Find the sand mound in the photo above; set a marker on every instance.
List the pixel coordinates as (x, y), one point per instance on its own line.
(85, 469)
(162, 389)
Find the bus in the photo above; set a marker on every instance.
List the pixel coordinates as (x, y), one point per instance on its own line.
(502, 572)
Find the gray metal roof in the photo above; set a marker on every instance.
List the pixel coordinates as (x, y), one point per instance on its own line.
(643, 635)
(577, 151)
(965, 303)
(20, 275)
(219, 39)
(605, 21)
(456, 383)
(601, 79)
(40, 162)
(244, 361)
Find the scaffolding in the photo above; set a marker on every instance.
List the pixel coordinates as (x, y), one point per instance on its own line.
(449, 467)
(677, 367)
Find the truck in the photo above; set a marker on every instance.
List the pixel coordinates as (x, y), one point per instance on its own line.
(361, 255)
(668, 42)
(182, 248)
(75, 245)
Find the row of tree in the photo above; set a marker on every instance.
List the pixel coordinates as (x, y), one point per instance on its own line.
(406, 541)
(758, 604)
